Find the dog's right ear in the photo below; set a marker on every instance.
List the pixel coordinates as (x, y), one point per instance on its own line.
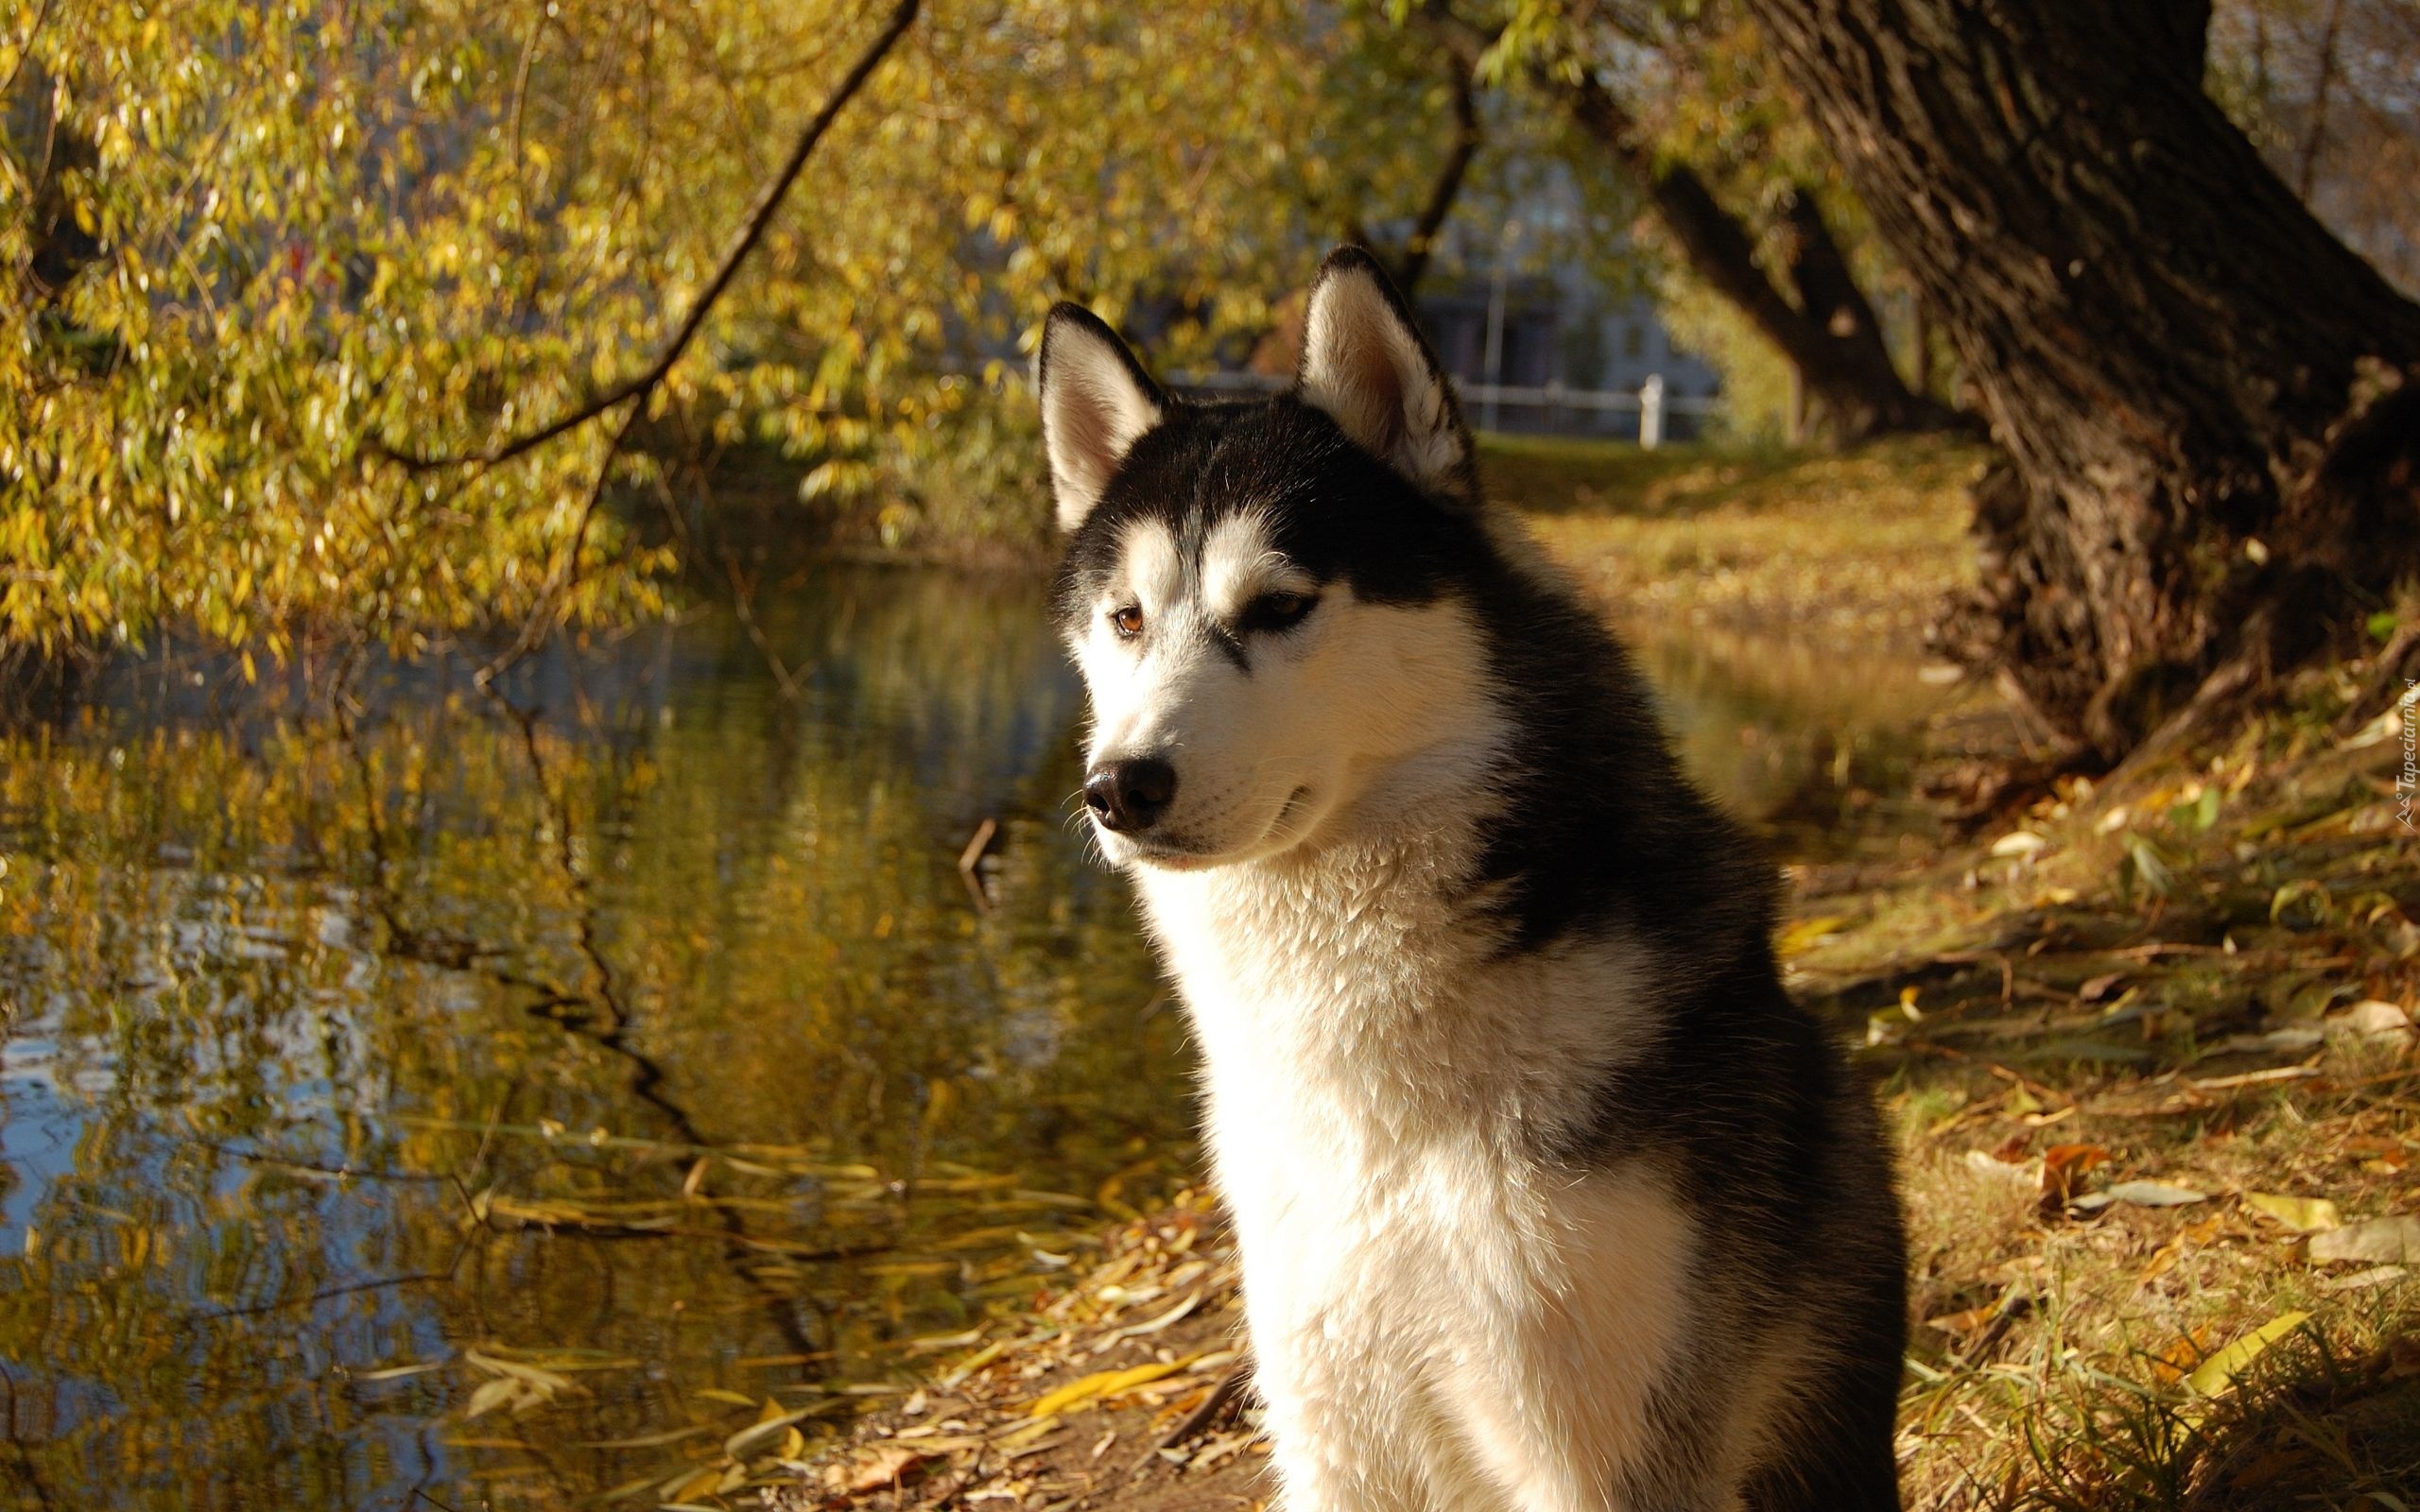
(1097, 402)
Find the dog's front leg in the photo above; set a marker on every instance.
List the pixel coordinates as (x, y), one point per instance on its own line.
(1335, 1447)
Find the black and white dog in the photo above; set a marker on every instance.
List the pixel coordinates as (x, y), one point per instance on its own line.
(1549, 1197)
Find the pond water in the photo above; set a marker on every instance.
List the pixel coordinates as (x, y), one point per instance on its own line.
(437, 1105)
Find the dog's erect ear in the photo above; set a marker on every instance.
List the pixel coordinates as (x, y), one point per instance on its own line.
(1365, 363)
(1097, 402)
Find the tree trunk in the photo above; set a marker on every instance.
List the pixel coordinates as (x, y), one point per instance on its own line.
(1829, 333)
(2208, 402)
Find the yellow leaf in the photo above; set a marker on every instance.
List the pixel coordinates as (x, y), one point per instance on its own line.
(545, 1382)
(755, 1437)
(2217, 1373)
(1100, 1384)
(1801, 933)
(397, 1372)
(701, 1483)
(491, 1395)
(1009, 1443)
(2304, 1216)
(974, 1361)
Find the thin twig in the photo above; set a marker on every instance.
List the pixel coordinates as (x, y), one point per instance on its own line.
(1447, 186)
(2316, 136)
(743, 603)
(640, 385)
(349, 1289)
(1198, 1421)
(561, 581)
(26, 48)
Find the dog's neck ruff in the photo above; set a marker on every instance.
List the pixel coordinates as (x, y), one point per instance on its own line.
(1363, 982)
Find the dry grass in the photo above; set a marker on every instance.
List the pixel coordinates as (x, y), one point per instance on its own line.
(2158, 983)
(1865, 544)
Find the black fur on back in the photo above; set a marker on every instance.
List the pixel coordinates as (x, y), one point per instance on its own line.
(1597, 832)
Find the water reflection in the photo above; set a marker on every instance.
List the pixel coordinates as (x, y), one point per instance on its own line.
(655, 1045)
(1813, 743)
(436, 1100)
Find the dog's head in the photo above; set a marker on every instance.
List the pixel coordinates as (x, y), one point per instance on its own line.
(1261, 595)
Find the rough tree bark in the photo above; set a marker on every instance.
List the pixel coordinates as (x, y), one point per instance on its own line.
(2210, 407)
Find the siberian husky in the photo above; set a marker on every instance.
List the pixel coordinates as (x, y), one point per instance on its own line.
(1550, 1199)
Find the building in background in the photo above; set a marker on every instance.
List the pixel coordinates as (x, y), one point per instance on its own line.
(1565, 348)
(1562, 332)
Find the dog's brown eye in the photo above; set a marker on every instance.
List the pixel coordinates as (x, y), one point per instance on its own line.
(1276, 611)
(1129, 621)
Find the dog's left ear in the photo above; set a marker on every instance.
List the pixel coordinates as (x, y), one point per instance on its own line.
(1365, 363)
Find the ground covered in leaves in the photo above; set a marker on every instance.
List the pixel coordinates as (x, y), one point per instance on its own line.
(2148, 1045)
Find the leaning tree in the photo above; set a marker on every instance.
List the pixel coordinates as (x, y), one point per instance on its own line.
(1810, 306)
(2210, 407)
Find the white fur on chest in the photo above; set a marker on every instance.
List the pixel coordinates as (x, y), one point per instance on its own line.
(1443, 1320)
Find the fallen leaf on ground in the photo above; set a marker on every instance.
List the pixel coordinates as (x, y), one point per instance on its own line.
(2217, 1373)
(2376, 1022)
(2173, 1364)
(2290, 1040)
(1801, 933)
(2304, 1216)
(1965, 1322)
(2062, 1171)
(2268, 1467)
(2142, 1195)
(2379, 1241)
(2191, 1236)
(766, 1431)
(1100, 1384)
(884, 1465)
(2362, 1280)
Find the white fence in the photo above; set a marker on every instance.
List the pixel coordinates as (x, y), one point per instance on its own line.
(1649, 401)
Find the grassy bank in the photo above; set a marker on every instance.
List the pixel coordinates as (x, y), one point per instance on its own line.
(1864, 545)
(1747, 539)
(2147, 1048)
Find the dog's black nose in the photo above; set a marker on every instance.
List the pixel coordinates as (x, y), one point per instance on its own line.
(1131, 794)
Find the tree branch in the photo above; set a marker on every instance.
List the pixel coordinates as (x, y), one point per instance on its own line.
(643, 382)
(2315, 136)
(1422, 244)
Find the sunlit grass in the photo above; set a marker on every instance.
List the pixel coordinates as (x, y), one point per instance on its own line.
(1866, 543)
(2155, 977)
